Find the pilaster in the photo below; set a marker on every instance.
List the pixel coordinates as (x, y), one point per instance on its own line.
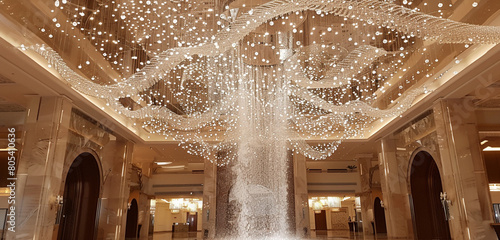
(209, 199)
(464, 175)
(40, 167)
(302, 226)
(395, 192)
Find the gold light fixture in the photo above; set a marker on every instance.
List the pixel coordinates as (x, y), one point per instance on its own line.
(185, 204)
(4, 192)
(491, 149)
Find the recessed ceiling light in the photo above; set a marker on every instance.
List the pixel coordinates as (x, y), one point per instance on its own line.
(491, 149)
(174, 167)
(163, 163)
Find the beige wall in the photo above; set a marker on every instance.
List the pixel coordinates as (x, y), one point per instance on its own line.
(495, 197)
(4, 202)
(330, 216)
(164, 218)
(54, 136)
(454, 146)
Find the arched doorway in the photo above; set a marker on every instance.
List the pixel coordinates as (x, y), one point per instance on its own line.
(379, 215)
(132, 217)
(429, 219)
(80, 201)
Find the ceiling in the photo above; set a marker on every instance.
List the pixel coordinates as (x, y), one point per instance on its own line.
(23, 76)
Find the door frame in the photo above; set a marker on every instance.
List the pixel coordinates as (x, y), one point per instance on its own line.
(436, 163)
(375, 203)
(196, 221)
(134, 205)
(89, 155)
(316, 223)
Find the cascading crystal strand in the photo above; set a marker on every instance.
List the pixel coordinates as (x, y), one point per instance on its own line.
(374, 12)
(261, 188)
(365, 61)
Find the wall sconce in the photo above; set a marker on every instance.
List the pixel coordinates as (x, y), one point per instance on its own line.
(357, 202)
(59, 203)
(59, 199)
(382, 204)
(129, 205)
(152, 206)
(446, 204)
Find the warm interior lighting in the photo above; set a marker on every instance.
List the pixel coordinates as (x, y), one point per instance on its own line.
(4, 192)
(7, 149)
(185, 204)
(192, 207)
(494, 187)
(152, 206)
(174, 167)
(483, 142)
(334, 202)
(317, 206)
(335, 91)
(491, 149)
(321, 203)
(163, 163)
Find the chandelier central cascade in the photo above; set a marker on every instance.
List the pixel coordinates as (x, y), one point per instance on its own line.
(183, 68)
(245, 84)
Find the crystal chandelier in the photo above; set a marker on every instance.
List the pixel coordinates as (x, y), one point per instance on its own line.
(190, 70)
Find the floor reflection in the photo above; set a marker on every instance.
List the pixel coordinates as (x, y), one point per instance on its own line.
(330, 234)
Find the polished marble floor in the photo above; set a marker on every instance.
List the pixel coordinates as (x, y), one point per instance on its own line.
(331, 234)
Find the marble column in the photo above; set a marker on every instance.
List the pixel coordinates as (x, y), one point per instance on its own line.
(144, 215)
(40, 167)
(464, 176)
(302, 226)
(395, 192)
(116, 159)
(209, 199)
(366, 195)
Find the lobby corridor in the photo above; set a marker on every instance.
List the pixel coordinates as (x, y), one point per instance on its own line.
(330, 234)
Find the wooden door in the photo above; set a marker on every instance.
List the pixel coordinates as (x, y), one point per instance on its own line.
(428, 214)
(379, 214)
(81, 200)
(132, 218)
(320, 220)
(192, 219)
